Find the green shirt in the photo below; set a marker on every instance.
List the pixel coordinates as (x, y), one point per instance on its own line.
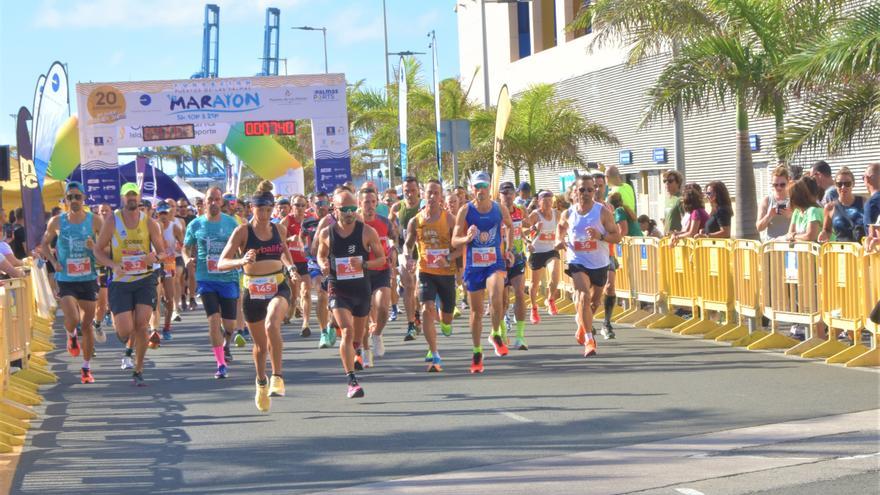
(626, 194)
(803, 219)
(672, 214)
(632, 227)
(210, 238)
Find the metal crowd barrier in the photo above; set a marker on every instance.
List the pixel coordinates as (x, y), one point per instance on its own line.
(870, 297)
(748, 274)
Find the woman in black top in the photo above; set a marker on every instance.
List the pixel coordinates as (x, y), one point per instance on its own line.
(718, 225)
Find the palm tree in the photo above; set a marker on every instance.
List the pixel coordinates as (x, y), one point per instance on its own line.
(838, 74)
(544, 130)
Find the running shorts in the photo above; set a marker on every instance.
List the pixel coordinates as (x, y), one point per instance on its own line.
(380, 279)
(475, 277)
(358, 305)
(87, 290)
(124, 296)
(433, 286)
(538, 261)
(598, 276)
(255, 310)
(517, 270)
(219, 297)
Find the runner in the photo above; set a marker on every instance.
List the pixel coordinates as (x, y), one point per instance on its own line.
(322, 310)
(131, 237)
(205, 239)
(343, 254)
(75, 273)
(264, 257)
(403, 212)
(380, 277)
(179, 265)
(302, 283)
(452, 206)
(431, 230)
(188, 287)
(102, 311)
(478, 226)
(173, 235)
(585, 230)
(516, 269)
(543, 253)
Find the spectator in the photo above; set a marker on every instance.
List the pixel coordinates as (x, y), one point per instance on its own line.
(524, 193)
(871, 215)
(600, 194)
(626, 222)
(807, 218)
(821, 173)
(718, 224)
(844, 216)
(627, 194)
(673, 211)
(19, 241)
(462, 195)
(774, 213)
(695, 212)
(649, 227)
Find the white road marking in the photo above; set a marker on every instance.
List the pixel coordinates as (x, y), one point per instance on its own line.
(516, 417)
(689, 491)
(403, 370)
(860, 456)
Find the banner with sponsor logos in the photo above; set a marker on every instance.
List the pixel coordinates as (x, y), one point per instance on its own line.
(401, 116)
(50, 114)
(31, 197)
(332, 155)
(240, 112)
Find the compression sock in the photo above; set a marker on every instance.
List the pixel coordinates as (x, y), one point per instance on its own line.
(520, 329)
(219, 356)
(610, 301)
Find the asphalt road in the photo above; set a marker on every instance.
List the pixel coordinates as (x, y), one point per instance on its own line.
(563, 423)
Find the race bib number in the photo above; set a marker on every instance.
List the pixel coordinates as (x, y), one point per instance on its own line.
(134, 264)
(295, 246)
(79, 266)
(262, 287)
(547, 236)
(517, 230)
(169, 266)
(585, 245)
(484, 256)
(436, 258)
(213, 263)
(346, 270)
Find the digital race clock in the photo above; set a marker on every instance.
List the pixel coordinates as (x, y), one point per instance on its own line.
(270, 127)
(168, 132)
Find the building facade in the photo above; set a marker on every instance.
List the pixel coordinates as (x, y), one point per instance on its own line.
(527, 44)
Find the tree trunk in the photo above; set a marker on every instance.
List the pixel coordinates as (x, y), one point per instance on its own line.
(779, 122)
(532, 175)
(746, 200)
(516, 175)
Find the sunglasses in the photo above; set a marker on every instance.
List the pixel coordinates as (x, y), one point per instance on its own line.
(588, 190)
(481, 185)
(348, 209)
(75, 197)
(844, 184)
(779, 185)
(322, 203)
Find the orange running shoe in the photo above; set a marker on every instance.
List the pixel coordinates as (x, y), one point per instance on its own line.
(87, 376)
(358, 362)
(155, 340)
(581, 335)
(72, 345)
(477, 363)
(499, 345)
(536, 318)
(590, 348)
(551, 307)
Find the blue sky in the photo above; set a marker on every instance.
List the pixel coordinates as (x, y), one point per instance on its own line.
(121, 40)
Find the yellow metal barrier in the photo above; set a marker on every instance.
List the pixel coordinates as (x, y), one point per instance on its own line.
(871, 294)
(790, 294)
(644, 259)
(679, 281)
(841, 284)
(712, 269)
(747, 277)
(624, 282)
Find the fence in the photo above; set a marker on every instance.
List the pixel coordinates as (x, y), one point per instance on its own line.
(729, 287)
(27, 310)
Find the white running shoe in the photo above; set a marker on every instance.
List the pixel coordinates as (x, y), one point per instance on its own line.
(175, 316)
(368, 358)
(100, 336)
(378, 344)
(127, 363)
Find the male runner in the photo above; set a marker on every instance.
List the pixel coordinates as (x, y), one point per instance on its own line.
(517, 269)
(380, 277)
(205, 239)
(189, 286)
(132, 237)
(403, 212)
(322, 310)
(478, 226)
(585, 230)
(343, 254)
(75, 272)
(301, 289)
(179, 265)
(431, 230)
(543, 253)
(173, 235)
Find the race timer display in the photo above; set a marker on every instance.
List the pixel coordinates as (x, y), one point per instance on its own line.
(270, 127)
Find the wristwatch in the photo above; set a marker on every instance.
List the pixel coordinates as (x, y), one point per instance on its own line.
(602, 237)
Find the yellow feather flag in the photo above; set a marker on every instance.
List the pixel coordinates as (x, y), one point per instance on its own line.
(502, 115)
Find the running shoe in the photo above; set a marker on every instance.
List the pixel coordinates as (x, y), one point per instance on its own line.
(499, 345)
(590, 348)
(325, 340)
(72, 345)
(108, 321)
(418, 322)
(429, 356)
(192, 304)
(507, 328)
(166, 334)
(222, 372)
(580, 335)
(247, 333)
(176, 316)
(607, 332)
(286, 321)
(137, 379)
(446, 330)
(332, 334)
(276, 386)
(378, 344)
(368, 358)
(306, 332)
(297, 313)
(355, 391)
(477, 363)
(436, 366)
(488, 310)
(536, 318)
(394, 313)
(87, 376)
(261, 398)
(463, 305)
(239, 339)
(520, 344)
(100, 336)
(155, 340)
(456, 313)
(410, 332)
(227, 353)
(127, 363)
(79, 330)
(358, 362)
(551, 307)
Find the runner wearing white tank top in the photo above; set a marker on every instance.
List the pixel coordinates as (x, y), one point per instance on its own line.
(585, 230)
(543, 253)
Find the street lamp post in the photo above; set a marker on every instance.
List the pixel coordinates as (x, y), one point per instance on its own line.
(324, 31)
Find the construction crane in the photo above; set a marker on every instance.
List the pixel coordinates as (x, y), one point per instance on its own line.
(270, 42)
(210, 43)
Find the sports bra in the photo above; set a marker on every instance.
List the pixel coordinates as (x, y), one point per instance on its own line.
(266, 250)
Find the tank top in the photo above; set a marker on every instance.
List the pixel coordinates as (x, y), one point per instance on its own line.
(434, 244)
(404, 215)
(170, 239)
(589, 253)
(344, 277)
(383, 228)
(266, 250)
(778, 225)
(516, 216)
(76, 260)
(295, 247)
(546, 237)
(130, 248)
(485, 250)
(847, 221)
